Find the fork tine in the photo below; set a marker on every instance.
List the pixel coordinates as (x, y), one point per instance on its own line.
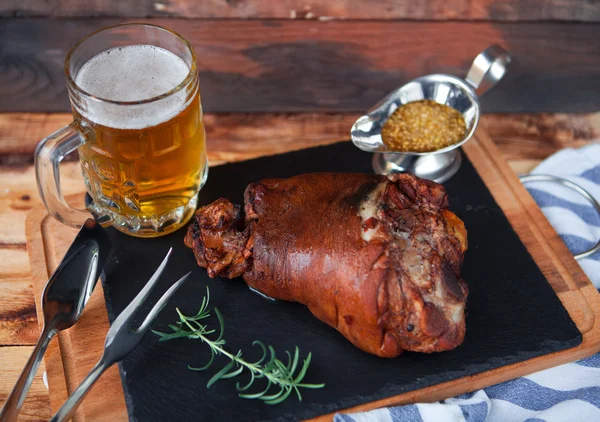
(128, 313)
(160, 304)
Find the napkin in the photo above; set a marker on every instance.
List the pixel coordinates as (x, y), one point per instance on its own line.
(568, 392)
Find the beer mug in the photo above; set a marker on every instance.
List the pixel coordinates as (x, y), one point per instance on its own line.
(137, 126)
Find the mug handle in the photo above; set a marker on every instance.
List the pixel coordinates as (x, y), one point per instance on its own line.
(48, 155)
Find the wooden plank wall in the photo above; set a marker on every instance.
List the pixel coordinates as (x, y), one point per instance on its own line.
(501, 10)
(321, 55)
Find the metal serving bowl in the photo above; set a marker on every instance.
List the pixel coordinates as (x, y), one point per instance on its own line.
(462, 94)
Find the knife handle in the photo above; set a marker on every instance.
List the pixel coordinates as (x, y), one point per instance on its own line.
(15, 400)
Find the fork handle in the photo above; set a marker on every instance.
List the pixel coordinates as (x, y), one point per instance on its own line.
(15, 400)
(67, 409)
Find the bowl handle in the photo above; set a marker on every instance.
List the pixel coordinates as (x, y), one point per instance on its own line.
(488, 68)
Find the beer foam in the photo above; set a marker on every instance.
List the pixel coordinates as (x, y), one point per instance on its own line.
(133, 73)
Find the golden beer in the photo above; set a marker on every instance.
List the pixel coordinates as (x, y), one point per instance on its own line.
(146, 173)
(144, 164)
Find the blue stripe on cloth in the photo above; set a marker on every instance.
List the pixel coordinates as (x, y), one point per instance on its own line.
(408, 413)
(534, 420)
(578, 244)
(592, 174)
(591, 362)
(529, 395)
(474, 412)
(585, 212)
(340, 417)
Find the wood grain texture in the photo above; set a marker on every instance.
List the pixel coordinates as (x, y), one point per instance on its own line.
(19, 194)
(12, 360)
(523, 139)
(21, 132)
(18, 320)
(502, 10)
(338, 66)
(535, 137)
(563, 273)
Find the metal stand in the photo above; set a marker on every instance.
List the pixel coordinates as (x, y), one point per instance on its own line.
(436, 167)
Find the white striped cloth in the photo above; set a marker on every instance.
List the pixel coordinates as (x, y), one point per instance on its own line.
(568, 392)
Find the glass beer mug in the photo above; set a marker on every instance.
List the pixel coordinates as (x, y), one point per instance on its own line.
(138, 130)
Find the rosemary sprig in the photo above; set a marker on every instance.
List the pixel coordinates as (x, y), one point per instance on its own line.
(281, 379)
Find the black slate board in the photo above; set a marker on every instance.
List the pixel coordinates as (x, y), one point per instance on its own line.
(513, 313)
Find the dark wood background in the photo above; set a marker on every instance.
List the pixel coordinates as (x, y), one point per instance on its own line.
(321, 55)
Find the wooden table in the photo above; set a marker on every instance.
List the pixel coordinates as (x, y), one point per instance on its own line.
(524, 139)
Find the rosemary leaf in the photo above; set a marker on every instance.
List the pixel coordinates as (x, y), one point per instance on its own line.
(281, 379)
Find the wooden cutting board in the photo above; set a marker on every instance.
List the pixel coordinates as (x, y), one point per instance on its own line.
(69, 359)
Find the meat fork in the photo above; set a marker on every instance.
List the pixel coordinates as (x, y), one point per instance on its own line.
(121, 339)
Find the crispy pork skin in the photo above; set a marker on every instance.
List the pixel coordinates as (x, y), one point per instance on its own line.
(376, 257)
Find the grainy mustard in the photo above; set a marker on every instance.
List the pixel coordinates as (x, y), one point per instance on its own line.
(423, 126)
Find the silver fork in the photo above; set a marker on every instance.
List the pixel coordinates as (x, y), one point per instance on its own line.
(121, 339)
